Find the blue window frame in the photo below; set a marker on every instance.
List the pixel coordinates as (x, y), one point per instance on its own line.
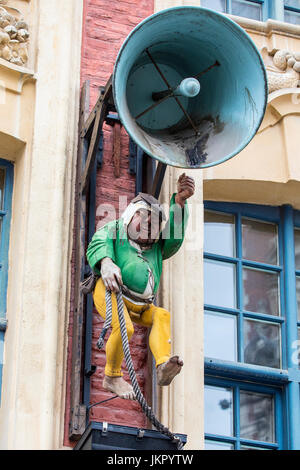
(254, 9)
(242, 416)
(282, 10)
(6, 187)
(292, 11)
(252, 310)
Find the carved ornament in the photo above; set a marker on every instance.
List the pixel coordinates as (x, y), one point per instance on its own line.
(283, 68)
(14, 35)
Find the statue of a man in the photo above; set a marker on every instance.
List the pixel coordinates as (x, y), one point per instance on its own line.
(127, 253)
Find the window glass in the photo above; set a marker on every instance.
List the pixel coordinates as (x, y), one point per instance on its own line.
(298, 295)
(247, 9)
(292, 16)
(262, 344)
(257, 416)
(2, 182)
(219, 233)
(218, 5)
(260, 241)
(292, 3)
(218, 412)
(252, 448)
(215, 445)
(297, 248)
(261, 291)
(219, 283)
(220, 339)
(297, 358)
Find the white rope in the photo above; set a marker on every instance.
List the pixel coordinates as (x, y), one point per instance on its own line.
(125, 343)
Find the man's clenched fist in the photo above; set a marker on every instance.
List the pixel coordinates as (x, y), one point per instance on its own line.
(111, 275)
(185, 189)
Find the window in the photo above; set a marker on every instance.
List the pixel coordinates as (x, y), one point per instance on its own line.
(282, 10)
(247, 8)
(292, 11)
(6, 184)
(242, 417)
(252, 321)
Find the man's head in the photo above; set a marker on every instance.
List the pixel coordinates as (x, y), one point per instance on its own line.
(143, 218)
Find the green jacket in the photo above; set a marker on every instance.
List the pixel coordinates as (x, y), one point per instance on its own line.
(111, 241)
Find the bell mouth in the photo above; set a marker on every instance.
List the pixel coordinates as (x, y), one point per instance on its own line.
(218, 121)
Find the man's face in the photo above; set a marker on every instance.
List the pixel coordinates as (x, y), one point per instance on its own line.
(144, 227)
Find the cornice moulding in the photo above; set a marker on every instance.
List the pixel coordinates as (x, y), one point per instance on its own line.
(267, 27)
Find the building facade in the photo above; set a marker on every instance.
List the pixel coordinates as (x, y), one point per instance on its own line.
(232, 289)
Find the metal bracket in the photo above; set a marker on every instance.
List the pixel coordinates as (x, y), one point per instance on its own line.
(91, 371)
(112, 118)
(104, 428)
(140, 434)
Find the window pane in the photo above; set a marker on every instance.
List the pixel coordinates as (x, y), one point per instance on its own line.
(218, 412)
(2, 181)
(219, 283)
(261, 291)
(215, 445)
(0, 236)
(253, 448)
(262, 343)
(292, 17)
(297, 358)
(297, 248)
(292, 3)
(219, 233)
(260, 241)
(220, 336)
(257, 416)
(247, 9)
(218, 5)
(298, 295)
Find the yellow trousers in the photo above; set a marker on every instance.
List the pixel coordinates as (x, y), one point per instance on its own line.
(156, 318)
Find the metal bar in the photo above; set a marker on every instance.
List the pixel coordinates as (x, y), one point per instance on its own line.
(170, 95)
(158, 69)
(94, 144)
(216, 64)
(139, 171)
(152, 106)
(158, 179)
(78, 411)
(89, 299)
(116, 149)
(170, 88)
(186, 114)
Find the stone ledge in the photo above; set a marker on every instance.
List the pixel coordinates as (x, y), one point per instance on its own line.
(13, 77)
(267, 27)
(10, 146)
(16, 68)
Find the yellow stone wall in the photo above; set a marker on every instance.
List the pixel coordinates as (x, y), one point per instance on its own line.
(38, 133)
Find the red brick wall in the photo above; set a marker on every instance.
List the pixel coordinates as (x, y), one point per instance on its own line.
(106, 23)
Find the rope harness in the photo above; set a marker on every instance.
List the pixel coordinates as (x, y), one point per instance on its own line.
(125, 343)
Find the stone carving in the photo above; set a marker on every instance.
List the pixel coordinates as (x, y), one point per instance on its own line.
(14, 37)
(283, 69)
